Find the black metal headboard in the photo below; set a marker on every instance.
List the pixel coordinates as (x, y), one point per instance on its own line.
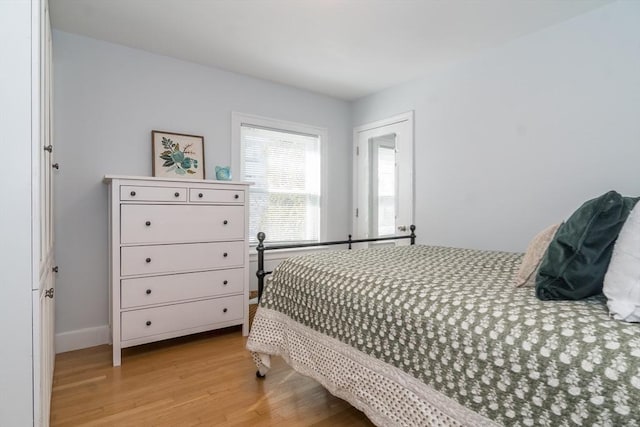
(261, 248)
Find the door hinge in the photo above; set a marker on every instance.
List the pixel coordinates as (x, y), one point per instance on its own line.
(357, 150)
(357, 212)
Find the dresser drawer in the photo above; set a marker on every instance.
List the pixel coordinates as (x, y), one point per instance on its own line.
(177, 317)
(215, 196)
(176, 287)
(180, 223)
(153, 194)
(181, 257)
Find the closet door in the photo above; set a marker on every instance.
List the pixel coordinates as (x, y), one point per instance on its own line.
(44, 354)
(44, 287)
(50, 169)
(47, 151)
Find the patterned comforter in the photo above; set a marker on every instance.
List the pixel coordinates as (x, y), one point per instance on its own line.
(451, 319)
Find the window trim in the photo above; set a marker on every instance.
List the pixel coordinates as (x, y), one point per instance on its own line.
(239, 119)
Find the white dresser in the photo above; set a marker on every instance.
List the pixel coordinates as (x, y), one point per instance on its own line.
(179, 258)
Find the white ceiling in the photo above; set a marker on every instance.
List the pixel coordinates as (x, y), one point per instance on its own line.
(343, 48)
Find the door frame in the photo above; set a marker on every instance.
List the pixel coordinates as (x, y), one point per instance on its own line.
(406, 116)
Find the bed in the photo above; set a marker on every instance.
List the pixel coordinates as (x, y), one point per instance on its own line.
(435, 336)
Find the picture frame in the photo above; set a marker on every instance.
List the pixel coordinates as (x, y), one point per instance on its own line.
(177, 155)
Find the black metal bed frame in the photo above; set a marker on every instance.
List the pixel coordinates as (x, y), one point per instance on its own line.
(261, 248)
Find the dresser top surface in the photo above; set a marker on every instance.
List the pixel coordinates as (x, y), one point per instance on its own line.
(108, 179)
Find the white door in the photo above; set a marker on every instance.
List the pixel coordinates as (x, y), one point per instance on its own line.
(44, 288)
(383, 178)
(44, 351)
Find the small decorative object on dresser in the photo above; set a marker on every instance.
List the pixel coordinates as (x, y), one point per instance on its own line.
(179, 258)
(223, 173)
(177, 155)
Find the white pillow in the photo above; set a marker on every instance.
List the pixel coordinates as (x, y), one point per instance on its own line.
(622, 281)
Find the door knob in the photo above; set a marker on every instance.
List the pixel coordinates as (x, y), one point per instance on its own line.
(402, 228)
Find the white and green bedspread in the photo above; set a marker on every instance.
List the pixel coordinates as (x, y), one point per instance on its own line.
(447, 327)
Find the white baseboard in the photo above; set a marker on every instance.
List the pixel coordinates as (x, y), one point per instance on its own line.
(82, 338)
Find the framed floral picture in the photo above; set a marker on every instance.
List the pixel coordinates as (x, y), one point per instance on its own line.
(176, 155)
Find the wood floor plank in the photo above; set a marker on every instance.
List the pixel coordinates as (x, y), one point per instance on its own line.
(202, 380)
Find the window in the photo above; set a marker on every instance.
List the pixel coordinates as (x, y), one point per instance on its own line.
(383, 189)
(386, 190)
(284, 164)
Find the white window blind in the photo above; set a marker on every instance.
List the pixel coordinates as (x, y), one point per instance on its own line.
(284, 166)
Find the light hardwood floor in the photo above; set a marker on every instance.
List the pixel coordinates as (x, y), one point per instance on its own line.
(201, 380)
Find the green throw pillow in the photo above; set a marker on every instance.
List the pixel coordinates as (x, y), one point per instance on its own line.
(574, 265)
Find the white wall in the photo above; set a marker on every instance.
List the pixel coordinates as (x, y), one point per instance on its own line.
(15, 215)
(517, 137)
(107, 99)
